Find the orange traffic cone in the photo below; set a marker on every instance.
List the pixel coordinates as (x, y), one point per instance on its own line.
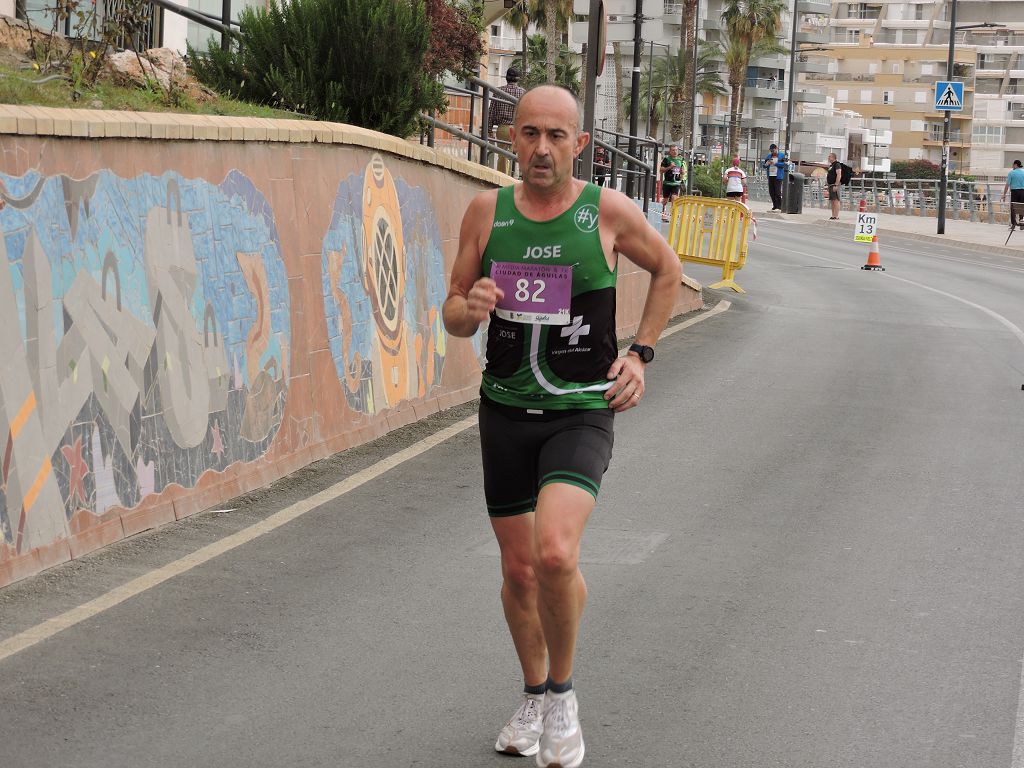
(874, 263)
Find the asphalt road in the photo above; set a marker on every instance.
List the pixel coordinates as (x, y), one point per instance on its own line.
(806, 554)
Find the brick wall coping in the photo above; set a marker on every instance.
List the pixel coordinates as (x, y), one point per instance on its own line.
(173, 126)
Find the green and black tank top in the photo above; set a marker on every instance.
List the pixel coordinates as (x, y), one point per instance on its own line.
(551, 340)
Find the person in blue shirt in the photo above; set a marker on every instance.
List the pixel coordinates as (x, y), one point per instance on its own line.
(1015, 185)
(775, 167)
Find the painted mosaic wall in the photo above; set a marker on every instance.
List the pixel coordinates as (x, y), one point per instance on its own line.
(186, 321)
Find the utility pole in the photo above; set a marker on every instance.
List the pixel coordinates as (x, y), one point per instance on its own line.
(946, 120)
(789, 105)
(593, 56)
(634, 95)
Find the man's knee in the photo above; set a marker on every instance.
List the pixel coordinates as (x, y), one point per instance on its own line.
(519, 576)
(555, 559)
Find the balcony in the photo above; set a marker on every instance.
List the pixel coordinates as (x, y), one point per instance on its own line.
(818, 67)
(673, 13)
(775, 61)
(808, 97)
(934, 136)
(815, 37)
(764, 88)
(814, 6)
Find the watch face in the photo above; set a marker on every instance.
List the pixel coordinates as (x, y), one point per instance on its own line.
(645, 353)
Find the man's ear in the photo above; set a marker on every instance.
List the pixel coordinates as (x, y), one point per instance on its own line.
(582, 139)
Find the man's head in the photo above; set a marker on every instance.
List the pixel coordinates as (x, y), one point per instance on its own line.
(736, 161)
(1016, 164)
(774, 149)
(512, 75)
(832, 157)
(673, 151)
(546, 136)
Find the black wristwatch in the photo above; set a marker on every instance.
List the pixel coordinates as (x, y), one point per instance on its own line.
(644, 353)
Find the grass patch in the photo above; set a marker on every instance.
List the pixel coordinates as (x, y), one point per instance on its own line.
(17, 87)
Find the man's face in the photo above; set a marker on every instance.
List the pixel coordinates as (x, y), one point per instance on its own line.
(546, 138)
(832, 158)
(673, 151)
(775, 153)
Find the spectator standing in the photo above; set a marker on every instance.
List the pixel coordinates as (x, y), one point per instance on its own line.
(735, 179)
(833, 175)
(500, 116)
(775, 168)
(1015, 186)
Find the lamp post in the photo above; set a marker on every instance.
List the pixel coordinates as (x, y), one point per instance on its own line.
(947, 117)
(789, 100)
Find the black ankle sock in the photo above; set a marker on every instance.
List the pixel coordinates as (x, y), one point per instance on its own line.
(535, 690)
(559, 687)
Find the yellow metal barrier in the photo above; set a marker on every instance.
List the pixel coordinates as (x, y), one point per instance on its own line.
(709, 231)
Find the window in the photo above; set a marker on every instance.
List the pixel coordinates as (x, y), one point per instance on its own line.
(853, 35)
(920, 97)
(495, 30)
(865, 97)
(915, 153)
(897, 68)
(927, 69)
(919, 12)
(987, 134)
(842, 95)
(917, 125)
(888, 97)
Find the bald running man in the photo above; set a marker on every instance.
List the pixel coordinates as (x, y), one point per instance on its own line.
(539, 261)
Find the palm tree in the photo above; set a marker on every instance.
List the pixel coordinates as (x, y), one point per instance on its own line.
(519, 17)
(567, 70)
(687, 43)
(751, 29)
(668, 81)
(553, 16)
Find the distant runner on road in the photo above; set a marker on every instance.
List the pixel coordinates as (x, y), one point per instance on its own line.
(539, 261)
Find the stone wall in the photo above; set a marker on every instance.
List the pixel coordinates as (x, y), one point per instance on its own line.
(195, 307)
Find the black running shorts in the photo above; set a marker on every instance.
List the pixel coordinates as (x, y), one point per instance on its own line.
(525, 450)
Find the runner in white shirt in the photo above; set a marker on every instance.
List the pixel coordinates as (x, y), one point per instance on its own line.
(735, 179)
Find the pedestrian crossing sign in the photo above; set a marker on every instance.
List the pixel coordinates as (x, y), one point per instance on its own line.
(949, 96)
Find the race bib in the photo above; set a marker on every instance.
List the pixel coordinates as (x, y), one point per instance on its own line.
(534, 293)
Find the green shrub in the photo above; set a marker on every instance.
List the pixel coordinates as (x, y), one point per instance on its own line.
(708, 178)
(356, 61)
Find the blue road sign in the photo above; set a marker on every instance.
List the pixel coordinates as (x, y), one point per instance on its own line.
(949, 96)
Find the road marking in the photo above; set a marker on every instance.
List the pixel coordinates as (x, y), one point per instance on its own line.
(1017, 761)
(1016, 331)
(50, 627)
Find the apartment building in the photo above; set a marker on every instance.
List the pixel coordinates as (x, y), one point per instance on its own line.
(885, 54)
(892, 86)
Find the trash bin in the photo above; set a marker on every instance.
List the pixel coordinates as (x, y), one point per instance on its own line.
(794, 192)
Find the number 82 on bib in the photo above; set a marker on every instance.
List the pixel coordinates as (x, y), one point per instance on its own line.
(534, 293)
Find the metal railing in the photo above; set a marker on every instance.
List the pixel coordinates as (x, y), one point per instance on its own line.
(481, 147)
(968, 200)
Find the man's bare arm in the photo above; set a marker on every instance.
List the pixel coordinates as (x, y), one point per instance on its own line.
(637, 240)
(471, 296)
(645, 247)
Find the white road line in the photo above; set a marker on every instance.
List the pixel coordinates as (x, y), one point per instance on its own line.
(1018, 730)
(1017, 761)
(1016, 331)
(118, 595)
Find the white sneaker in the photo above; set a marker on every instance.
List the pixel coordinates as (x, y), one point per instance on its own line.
(521, 735)
(561, 744)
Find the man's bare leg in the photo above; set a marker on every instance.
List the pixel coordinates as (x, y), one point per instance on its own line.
(562, 512)
(519, 594)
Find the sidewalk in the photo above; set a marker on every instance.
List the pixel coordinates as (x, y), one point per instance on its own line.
(965, 234)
